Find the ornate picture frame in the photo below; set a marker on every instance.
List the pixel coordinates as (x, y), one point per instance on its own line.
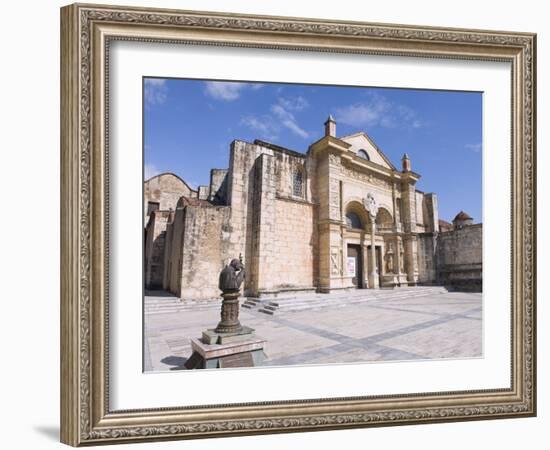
(86, 34)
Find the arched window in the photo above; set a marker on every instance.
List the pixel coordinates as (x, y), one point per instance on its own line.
(298, 182)
(363, 154)
(353, 220)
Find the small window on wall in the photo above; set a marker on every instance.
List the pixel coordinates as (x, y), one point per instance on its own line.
(151, 207)
(298, 183)
(363, 154)
(353, 220)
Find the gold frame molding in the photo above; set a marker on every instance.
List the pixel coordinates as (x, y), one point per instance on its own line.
(86, 31)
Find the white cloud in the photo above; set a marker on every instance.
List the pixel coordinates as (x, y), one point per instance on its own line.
(280, 116)
(263, 125)
(293, 103)
(149, 171)
(378, 111)
(474, 147)
(359, 115)
(288, 120)
(224, 90)
(155, 91)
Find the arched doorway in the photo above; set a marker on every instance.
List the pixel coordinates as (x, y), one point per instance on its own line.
(356, 219)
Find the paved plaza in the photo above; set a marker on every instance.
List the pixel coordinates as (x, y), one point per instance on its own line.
(402, 324)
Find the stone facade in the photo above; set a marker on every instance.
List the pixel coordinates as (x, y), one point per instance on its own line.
(341, 216)
(162, 192)
(459, 258)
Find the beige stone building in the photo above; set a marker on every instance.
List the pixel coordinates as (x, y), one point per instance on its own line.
(340, 216)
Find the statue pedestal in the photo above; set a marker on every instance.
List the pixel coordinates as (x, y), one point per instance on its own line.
(244, 353)
(230, 344)
(211, 336)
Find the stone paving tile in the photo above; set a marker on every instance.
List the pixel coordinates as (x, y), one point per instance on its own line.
(450, 339)
(439, 326)
(356, 355)
(452, 302)
(361, 320)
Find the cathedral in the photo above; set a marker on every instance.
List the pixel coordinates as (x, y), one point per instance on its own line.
(341, 216)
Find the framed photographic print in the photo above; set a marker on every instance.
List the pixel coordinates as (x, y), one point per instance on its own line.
(279, 224)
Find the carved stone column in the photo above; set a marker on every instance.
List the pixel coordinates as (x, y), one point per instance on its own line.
(371, 206)
(397, 266)
(373, 276)
(411, 260)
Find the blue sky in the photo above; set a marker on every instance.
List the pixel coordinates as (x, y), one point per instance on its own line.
(189, 125)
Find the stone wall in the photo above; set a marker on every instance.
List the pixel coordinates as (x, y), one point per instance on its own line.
(259, 178)
(421, 210)
(262, 246)
(296, 240)
(241, 190)
(292, 264)
(204, 251)
(165, 189)
(155, 239)
(432, 212)
(452, 258)
(427, 248)
(460, 258)
(173, 253)
(218, 186)
(204, 192)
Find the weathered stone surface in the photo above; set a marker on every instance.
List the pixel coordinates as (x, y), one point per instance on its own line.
(211, 336)
(165, 190)
(209, 351)
(287, 213)
(459, 258)
(370, 325)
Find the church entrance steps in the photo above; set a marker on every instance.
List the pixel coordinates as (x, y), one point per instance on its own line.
(299, 303)
(160, 302)
(251, 303)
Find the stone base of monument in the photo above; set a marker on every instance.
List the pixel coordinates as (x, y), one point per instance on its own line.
(211, 336)
(245, 351)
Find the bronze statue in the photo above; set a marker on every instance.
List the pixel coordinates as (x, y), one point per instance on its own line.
(232, 276)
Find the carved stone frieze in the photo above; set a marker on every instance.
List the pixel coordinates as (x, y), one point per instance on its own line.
(334, 160)
(366, 178)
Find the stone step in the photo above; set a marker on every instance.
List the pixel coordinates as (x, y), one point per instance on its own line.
(182, 306)
(350, 294)
(285, 305)
(168, 305)
(294, 302)
(176, 310)
(251, 303)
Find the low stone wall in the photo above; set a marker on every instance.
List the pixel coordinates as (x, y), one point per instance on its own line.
(452, 258)
(460, 258)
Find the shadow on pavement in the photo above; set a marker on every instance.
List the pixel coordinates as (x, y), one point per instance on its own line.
(177, 361)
